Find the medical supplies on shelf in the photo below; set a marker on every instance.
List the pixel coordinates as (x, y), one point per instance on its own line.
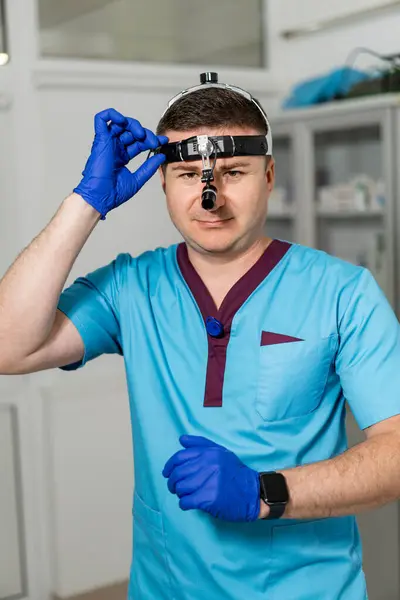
(361, 194)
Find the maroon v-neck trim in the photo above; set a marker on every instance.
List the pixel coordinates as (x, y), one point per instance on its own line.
(232, 302)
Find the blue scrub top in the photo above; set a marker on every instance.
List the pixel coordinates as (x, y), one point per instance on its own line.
(303, 332)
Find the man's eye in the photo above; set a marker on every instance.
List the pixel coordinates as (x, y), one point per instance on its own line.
(189, 175)
(234, 174)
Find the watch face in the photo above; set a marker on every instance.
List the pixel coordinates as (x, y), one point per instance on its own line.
(274, 488)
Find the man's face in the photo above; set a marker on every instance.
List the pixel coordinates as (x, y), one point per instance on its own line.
(244, 184)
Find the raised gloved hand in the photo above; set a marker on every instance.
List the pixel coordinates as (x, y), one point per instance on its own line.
(209, 477)
(107, 183)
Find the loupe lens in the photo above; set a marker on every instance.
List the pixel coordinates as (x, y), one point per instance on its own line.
(209, 197)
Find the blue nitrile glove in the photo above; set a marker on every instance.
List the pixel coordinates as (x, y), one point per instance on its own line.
(107, 183)
(209, 477)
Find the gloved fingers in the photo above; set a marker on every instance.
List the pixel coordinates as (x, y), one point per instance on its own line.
(191, 484)
(102, 119)
(126, 137)
(145, 172)
(136, 132)
(136, 129)
(188, 468)
(116, 129)
(147, 144)
(197, 500)
(181, 456)
(135, 149)
(190, 441)
(151, 139)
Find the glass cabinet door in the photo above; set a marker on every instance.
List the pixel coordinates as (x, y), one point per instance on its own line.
(350, 197)
(281, 206)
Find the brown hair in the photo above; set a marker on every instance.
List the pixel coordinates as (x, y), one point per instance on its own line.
(212, 107)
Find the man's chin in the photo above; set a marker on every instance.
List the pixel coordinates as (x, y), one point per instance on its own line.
(214, 244)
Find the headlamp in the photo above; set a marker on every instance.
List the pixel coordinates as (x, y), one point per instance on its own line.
(205, 148)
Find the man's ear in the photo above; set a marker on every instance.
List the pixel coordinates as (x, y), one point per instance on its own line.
(270, 172)
(162, 170)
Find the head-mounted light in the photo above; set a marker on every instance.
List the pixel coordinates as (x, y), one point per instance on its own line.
(204, 147)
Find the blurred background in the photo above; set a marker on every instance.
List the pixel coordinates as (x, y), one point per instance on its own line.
(327, 74)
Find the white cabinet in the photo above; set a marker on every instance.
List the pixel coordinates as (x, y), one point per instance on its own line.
(338, 180)
(337, 186)
(24, 559)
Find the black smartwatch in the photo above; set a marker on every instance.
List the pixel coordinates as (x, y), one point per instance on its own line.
(274, 492)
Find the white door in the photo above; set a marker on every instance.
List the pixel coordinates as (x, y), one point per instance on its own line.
(13, 574)
(24, 565)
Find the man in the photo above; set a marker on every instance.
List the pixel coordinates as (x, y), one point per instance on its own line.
(240, 352)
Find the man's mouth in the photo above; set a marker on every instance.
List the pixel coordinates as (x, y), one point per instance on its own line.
(214, 220)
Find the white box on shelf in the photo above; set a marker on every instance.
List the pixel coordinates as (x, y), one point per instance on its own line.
(341, 197)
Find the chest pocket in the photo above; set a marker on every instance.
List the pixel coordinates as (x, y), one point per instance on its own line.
(293, 376)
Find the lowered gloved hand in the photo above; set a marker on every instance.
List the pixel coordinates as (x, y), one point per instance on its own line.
(107, 183)
(209, 477)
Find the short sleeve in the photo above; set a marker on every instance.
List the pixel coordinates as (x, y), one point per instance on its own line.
(368, 358)
(92, 304)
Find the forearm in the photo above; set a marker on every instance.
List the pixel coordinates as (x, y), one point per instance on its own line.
(364, 477)
(30, 290)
